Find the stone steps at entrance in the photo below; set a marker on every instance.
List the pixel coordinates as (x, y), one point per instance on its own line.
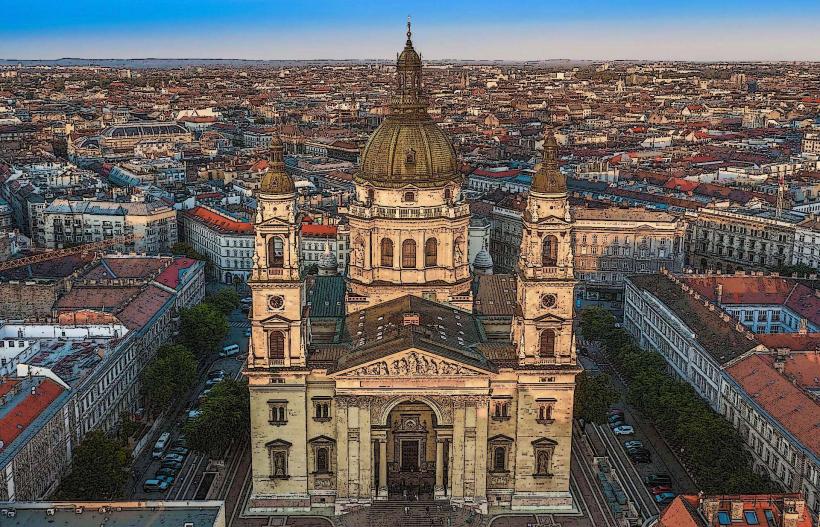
(424, 513)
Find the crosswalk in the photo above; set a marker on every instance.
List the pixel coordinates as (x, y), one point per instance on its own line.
(239, 323)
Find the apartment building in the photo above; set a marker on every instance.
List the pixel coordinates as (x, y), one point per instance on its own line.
(226, 241)
(765, 382)
(153, 225)
(80, 371)
(807, 242)
(738, 239)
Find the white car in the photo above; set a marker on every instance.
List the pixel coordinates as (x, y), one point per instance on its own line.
(624, 430)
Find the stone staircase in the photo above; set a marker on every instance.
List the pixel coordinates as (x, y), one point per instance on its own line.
(392, 514)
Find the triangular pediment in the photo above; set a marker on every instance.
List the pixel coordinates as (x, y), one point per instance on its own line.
(274, 222)
(550, 317)
(412, 362)
(274, 319)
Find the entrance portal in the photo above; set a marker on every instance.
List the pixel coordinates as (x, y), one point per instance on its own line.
(411, 451)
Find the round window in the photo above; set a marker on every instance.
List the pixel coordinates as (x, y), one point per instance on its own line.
(548, 300)
(276, 302)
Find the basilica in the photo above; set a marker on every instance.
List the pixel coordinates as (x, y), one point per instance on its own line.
(411, 376)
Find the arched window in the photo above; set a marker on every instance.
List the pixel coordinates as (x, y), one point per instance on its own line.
(276, 252)
(387, 252)
(499, 458)
(276, 345)
(322, 464)
(549, 254)
(430, 252)
(547, 343)
(408, 254)
(370, 195)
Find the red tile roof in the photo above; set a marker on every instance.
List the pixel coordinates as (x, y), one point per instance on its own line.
(781, 399)
(27, 410)
(793, 341)
(143, 307)
(682, 512)
(317, 229)
(683, 185)
(497, 174)
(219, 222)
(172, 275)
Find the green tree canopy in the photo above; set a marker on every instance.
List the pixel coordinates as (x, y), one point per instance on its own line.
(225, 300)
(99, 470)
(184, 249)
(225, 417)
(202, 328)
(706, 443)
(168, 376)
(594, 394)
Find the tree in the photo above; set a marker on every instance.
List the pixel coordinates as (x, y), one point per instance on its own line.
(99, 470)
(184, 249)
(594, 394)
(596, 323)
(168, 376)
(202, 327)
(225, 300)
(225, 416)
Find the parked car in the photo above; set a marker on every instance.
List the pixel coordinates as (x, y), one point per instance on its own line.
(180, 451)
(664, 498)
(173, 465)
(623, 430)
(633, 443)
(230, 350)
(165, 472)
(615, 424)
(216, 373)
(213, 380)
(660, 489)
(615, 411)
(167, 479)
(194, 413)
(248, 332)
(154, 485)
(657, 479)
(173, 457)
(615, 417)
(640, 457)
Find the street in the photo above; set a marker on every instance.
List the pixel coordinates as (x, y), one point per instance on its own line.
(194, 479)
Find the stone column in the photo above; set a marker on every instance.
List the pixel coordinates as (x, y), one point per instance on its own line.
(342, 446)
(481, 453)
(457, 467)
(365, 453)
(382, 493)
(439, 488)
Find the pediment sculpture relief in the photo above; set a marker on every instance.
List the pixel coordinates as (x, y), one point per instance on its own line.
(411, 365)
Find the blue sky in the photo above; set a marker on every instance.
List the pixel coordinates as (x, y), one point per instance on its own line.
(474, 29)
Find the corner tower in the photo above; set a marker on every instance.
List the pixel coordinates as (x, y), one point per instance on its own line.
(543, 331)
(408, 220)
(275, 281)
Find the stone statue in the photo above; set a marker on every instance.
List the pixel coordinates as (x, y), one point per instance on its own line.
(358, 252)
(458, 252)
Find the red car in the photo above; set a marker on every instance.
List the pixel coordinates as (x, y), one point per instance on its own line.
(659, 489)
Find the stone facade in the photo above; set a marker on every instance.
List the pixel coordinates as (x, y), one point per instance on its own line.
(407, 396)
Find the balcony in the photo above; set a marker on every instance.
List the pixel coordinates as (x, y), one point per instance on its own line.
(441, 211)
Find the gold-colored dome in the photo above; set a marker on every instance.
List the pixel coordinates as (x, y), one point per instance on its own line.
(408, 148)
(276, 180)
(401, 153)
(549, 179)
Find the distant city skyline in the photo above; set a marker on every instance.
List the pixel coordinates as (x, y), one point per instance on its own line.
(698, 30)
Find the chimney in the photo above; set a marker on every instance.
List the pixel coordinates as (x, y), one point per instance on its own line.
(737, 510)
(804, 324)
(709, 508)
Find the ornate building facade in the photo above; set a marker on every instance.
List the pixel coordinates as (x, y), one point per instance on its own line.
(384, 383)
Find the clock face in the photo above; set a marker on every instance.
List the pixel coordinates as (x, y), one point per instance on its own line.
(276, 302)
(548, 300)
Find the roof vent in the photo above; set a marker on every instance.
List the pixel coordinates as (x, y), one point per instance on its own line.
(411, 319)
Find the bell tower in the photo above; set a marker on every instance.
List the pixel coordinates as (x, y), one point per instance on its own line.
(277, 329)
(543, 330)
